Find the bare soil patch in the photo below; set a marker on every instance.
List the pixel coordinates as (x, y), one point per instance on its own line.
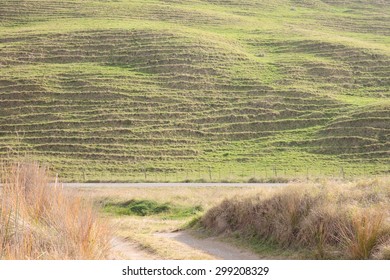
(211, 246)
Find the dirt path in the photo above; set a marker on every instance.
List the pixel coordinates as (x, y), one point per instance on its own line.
(212, 246)
(179, 185)
(122, 249)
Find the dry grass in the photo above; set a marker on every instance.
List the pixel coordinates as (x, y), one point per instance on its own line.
(43, 221)
(348, 221)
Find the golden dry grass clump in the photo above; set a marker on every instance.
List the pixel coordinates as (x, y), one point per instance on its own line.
(347, 221)
(41, 220)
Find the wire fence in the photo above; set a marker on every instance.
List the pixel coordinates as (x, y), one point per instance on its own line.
(236, 174)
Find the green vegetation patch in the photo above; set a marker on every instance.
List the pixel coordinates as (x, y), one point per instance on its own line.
(144, 207)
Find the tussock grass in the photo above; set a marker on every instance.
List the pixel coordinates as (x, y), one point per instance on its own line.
(347, 221)
(40, 220)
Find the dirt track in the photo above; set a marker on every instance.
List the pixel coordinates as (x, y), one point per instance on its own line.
(162, 185)
(122, 249)
(212, 246)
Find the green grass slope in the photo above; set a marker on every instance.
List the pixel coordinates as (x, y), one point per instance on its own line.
(215, 90)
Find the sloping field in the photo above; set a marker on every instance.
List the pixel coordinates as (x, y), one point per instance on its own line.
(216, 90)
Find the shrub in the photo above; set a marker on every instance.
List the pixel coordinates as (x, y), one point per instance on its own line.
(347, 221)
(40, 220)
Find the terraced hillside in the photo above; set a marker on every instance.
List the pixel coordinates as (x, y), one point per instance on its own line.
(215, 90)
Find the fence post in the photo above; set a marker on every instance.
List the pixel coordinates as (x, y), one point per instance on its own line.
(307, 173)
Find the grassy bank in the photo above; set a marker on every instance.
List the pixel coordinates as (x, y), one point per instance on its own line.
(324, 220)
(43, 221)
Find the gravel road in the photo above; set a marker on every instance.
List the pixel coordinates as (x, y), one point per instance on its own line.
(163, 185)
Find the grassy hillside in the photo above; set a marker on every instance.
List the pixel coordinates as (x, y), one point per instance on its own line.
(174, 90)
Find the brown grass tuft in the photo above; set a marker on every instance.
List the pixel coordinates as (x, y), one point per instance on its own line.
(348, 221)
(364, 233)
(39, 220)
